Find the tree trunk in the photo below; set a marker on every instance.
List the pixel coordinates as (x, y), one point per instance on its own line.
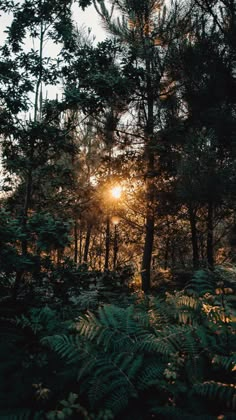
(75, 241)
(80, 244)
(59, 256)
(173, 257)
(107, 250)
(194, 238)
(166, 258)
(147, 253)
(181, 258)
(150, 196)
(16, 287)
(87, 242)
(115, 247)
(210, 229)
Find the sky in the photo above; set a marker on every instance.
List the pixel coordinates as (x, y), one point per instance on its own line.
(89, 18)
(83, 20)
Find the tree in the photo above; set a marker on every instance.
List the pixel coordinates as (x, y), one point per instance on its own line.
(39, 147)
(145, 29)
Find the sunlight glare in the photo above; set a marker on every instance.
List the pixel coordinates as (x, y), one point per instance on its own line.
(116, 192)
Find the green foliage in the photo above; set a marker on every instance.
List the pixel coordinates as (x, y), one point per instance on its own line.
(10, 233)
(226, 362)
(155, 351)
(202, 282)
(39, 320)
(218, 391)
(21, 415)
(68, 407)
(167, 357)
(50, 233)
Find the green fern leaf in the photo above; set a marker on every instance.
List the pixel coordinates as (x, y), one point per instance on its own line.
(150, 375)
(227, 362)
(20, 415)
(67, 347)
(225, 393)
(202, 282)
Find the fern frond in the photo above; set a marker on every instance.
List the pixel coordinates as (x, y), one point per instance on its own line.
(187, 309)
(110, 378)
(172, 412)
(115, 328)
(181, 300)
(38, 320)
(171, 340)
(106, 366)
(227, 362)
(150, 375)
(20, 414)
(226, 393)
(118, 400)
(86, 300)
(160, 314)
(67, 347)
(202, 282)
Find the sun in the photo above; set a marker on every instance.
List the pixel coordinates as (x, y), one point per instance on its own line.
(116, 192)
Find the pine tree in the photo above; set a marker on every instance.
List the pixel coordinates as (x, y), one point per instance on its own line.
(146, 30)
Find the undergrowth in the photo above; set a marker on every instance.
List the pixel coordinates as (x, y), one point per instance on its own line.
(153, 357)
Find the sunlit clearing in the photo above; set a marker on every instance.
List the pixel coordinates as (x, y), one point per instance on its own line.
(116, 192)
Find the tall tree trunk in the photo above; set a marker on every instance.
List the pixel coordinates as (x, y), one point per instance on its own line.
(194, 237)
(87, 242)
(80, 244)
(115, 253)
(202, 247)
(29, 182)
(210, 236)
(107, 246)
(59, 256)
(147, 252)
(173, 257)
(166, 257)
(150, 196)
(181, 258)
(75, 241)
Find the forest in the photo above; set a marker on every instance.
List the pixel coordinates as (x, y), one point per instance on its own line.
(118, 210)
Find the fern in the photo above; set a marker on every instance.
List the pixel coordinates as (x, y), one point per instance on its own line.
(39, 320)
(202, 282)
(226, 393)
(66, 346)
(20, 415)
(227, 362)
(119, 355)
(115, 328)
(186, 309)
(171, 412)
(160, 313)
(171, 340)
(150, 375)
(110, 379)
(15, 415)
(86, 300)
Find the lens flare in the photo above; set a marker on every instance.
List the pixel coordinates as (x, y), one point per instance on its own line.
(116, 192)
